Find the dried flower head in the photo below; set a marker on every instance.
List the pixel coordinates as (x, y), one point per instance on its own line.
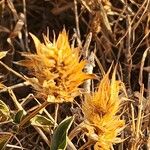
(102, 123)
(57, 68)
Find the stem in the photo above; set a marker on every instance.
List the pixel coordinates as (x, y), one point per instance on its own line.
(13, 71)
(56, 115)
(34, 113)
(88, 144)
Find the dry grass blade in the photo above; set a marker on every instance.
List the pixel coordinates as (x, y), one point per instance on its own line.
(3, 54)
(137, 127)
(142, 66)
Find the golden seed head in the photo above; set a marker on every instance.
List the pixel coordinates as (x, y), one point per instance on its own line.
(100, 112)
(57, 68)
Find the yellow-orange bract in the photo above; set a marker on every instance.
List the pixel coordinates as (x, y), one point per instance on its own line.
(100, 113)
(57, 68)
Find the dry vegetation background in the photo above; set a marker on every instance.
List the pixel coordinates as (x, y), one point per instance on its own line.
(110, 110)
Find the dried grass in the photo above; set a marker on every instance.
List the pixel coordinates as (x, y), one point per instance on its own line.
(100, 32)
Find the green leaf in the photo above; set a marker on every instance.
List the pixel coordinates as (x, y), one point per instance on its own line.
(4, 138)
(59, 140)
(19, 116)
(42, 121)
(4, 112)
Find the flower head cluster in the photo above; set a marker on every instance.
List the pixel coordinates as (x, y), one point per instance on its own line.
(57, 68)
(102, 122)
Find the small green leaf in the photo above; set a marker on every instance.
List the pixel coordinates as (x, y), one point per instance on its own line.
(42, 121)
(59, 140)
(4, 138)
(19, 116)
(4, 112)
